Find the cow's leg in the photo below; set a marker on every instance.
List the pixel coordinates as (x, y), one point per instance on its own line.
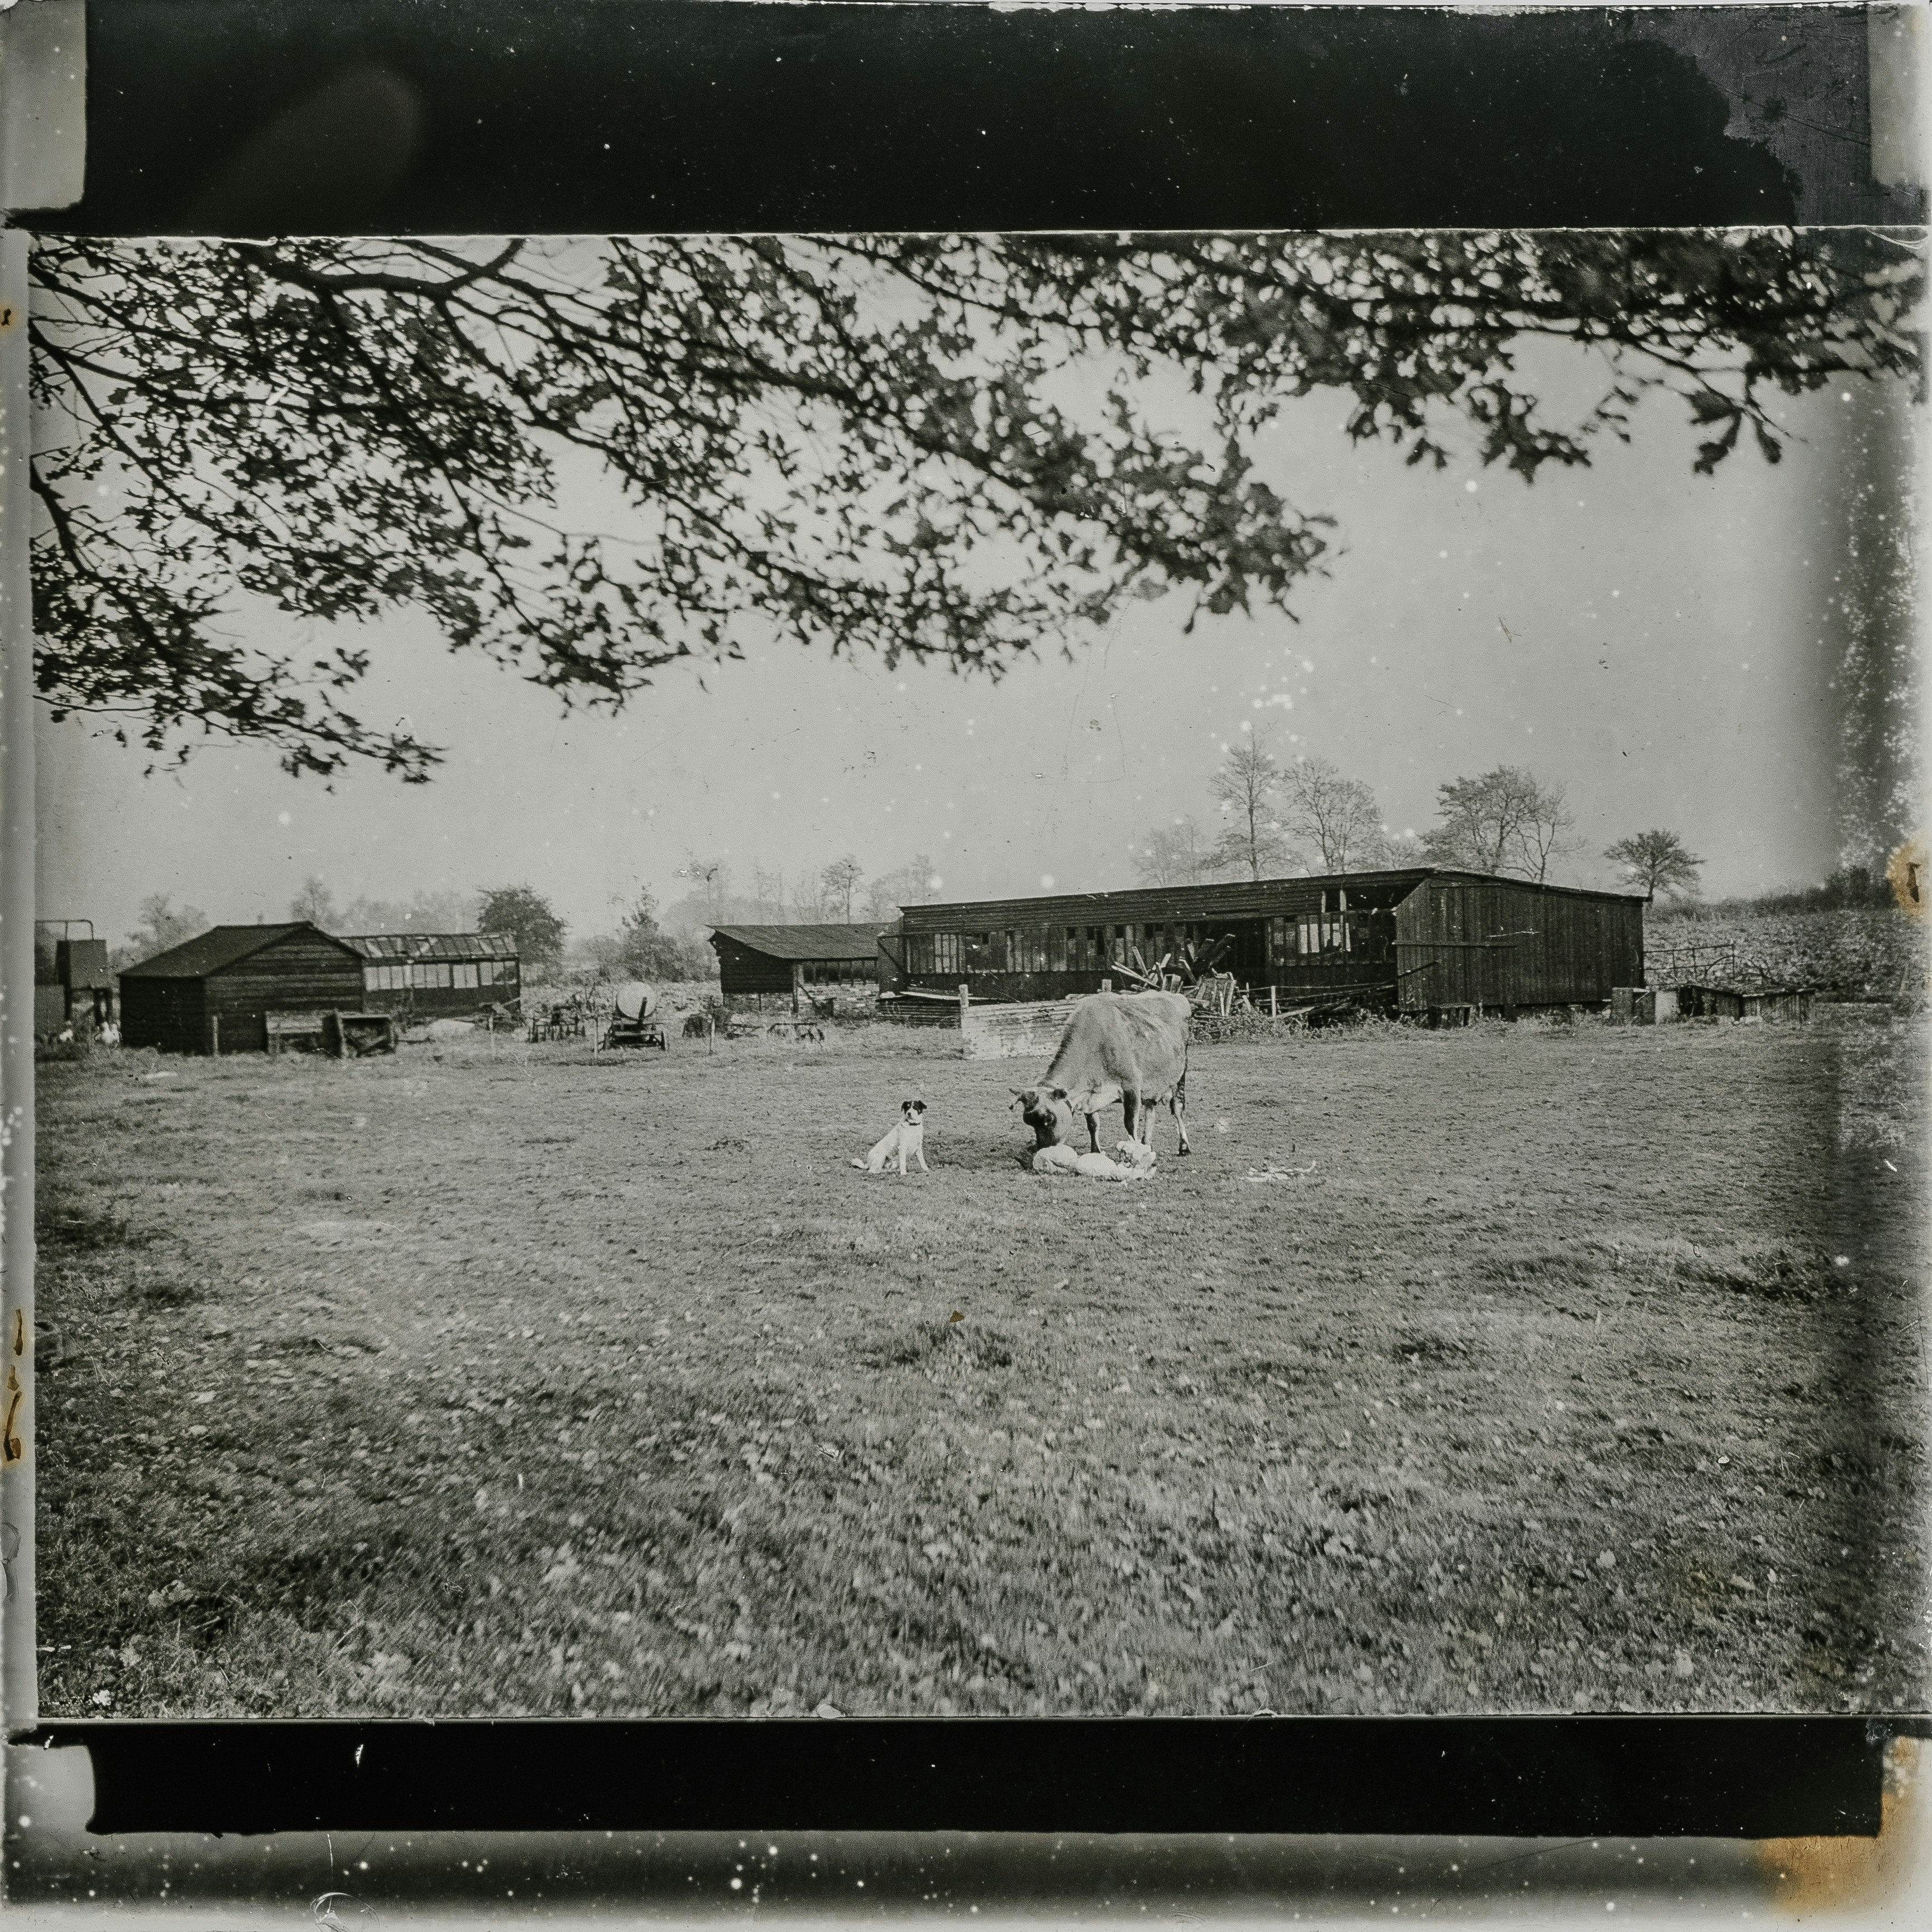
(1092, 1134)
(1179, 1104)
(1132, 1114)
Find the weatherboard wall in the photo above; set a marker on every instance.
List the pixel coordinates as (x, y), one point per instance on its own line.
(1336, 937)
(744, 969)
(1505, 944)
(304, 971)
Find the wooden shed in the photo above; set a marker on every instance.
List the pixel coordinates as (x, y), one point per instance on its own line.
(424, 975)
(759, 963)
(215, 992)
(1415, 939)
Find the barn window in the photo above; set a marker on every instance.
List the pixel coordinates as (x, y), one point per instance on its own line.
(465, 973)
(1321, 935)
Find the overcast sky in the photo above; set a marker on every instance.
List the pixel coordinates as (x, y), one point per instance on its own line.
(1658, 641)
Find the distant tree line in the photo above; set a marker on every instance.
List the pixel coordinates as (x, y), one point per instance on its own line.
(1850, 889)
(1280, 816)
(645, 943)
(836, 892)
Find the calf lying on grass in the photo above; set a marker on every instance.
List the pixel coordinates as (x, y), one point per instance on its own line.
(1136, 1160)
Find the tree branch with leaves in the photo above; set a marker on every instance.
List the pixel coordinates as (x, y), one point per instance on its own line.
(860, 444)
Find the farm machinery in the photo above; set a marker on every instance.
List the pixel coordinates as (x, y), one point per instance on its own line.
(635, 1021)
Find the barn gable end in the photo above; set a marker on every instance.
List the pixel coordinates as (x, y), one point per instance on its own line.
(238, 976)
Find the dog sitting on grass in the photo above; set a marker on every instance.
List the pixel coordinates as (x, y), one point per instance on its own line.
(906, 1140)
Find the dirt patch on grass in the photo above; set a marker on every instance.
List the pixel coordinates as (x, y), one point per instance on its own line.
(1583, 1367)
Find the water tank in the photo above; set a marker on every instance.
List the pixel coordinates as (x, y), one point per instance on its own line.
(636, 1001)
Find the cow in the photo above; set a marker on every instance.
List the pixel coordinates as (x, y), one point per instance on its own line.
(1128, 1047)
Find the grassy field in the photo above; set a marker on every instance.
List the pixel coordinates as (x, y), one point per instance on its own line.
(1517, 1368)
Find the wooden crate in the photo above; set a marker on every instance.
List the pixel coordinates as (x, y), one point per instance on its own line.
(294, 1033)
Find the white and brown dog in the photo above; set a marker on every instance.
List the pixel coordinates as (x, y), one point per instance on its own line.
(907, 1142)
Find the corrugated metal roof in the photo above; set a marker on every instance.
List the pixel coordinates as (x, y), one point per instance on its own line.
(433, 945)
(219, 946)
(807, 942)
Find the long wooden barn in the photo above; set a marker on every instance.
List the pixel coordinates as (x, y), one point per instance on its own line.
(780, 963)
(1416, 939)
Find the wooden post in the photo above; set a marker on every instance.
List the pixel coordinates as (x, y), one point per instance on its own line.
(1274, 1004)
(214, 1033)
(965, 1000)
(797, 988)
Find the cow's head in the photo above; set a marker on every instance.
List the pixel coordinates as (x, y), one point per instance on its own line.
(1044, 1110)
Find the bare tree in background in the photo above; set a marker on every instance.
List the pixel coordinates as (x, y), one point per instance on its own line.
(1549, 829)
(768, 893)
(163, 926)
(811, 903)
(1506, 820)
(445, 911)
(710, 882)
(1174, 855)
(1336, 816)
(1659, 861)
(841, 880)
(915, 882)
(315, 903)
(1247, 787)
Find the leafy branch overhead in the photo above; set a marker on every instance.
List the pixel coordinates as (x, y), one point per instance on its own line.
(590, 460)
